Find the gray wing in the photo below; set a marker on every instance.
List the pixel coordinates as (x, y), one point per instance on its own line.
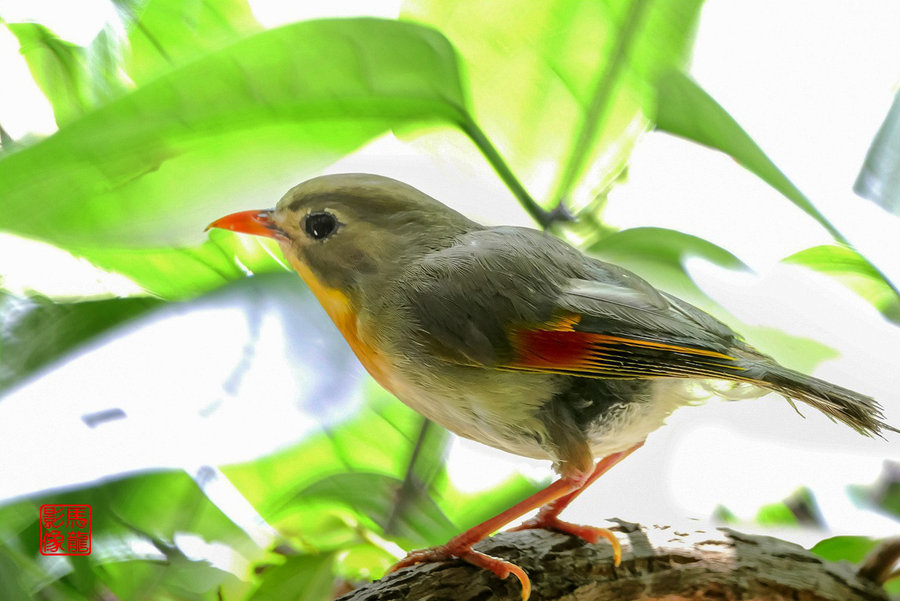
(472, 303)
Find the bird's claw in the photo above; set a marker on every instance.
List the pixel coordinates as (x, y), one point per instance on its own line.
(591, 534)
(499, 567)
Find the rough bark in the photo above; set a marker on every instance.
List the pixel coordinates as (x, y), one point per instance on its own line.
(658, 564)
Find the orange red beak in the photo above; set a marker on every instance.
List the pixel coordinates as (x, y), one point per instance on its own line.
(258, 223)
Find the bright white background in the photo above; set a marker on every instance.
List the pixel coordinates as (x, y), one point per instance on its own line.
(810, 82)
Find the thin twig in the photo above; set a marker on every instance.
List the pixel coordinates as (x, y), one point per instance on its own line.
(879, 564)
(537, 212)
(410, 483)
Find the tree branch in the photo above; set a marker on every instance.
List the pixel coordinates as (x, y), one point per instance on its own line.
(659, 563)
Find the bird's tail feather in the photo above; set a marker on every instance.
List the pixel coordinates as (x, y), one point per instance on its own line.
(860, 412)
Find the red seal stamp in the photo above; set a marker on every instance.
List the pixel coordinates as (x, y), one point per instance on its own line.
(65, 529)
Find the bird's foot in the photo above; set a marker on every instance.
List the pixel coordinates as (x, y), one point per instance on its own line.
(499, 567)
(591, 534)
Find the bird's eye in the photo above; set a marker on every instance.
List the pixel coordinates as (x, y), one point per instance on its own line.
(320, 225)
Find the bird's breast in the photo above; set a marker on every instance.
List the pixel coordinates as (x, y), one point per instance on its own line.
(339, 308)
(496, 408)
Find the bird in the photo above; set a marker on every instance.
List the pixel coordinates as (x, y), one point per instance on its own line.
(514, 338)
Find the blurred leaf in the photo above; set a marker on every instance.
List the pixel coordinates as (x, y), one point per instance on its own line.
(798, 509)
(363, 561)
(11, 586)
(575, 80)
(686, 110)
(178, 579)
(420, 521)
(662, 253)
(196, 386)
(468, 509)
(147, 508)
(379, 438)
(58, 68)
(23, 577)
(892, 586)
(6, 142)
(879, 177)
(659, 255)
(163, 34)
(428, 459)
(776, 514)
(15, 518)
(83, 577)
(106, 79)
(152, 168)
(723, 515)
(848, 548)
(802, 503)
(424, 465)
(155, 504)
(35, 331)
(184, 272)
(164, 503)
(89, 170)
(317, 491)
(854, 271)
(353, 468)
(306, 577)
(884, 494)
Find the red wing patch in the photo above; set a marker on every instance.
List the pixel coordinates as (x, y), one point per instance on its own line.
(557, 347)
(553, 350)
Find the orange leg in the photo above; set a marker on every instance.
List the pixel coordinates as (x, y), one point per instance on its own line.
(548, 516)
(552, 499)
(461, 545)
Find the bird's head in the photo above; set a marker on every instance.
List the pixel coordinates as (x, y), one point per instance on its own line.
(340, 231)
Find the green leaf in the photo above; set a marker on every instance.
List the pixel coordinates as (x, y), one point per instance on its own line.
(847, 548)
(106, 80)
(363, 561)
(659, 254)
(351, 473)
(307, 577)
(184, 272)
(11, 585)
(574, 80)
(723, 515)
(378, 438)
(163, 34)
(424, 465)
(879, 177)
(23, 578)
(685, 109)
(154, 504)
(127, 514)
(58, 67)
(798, 509)
(883, 495)
(854, 271)
(36, 331)
(776, 514)
(177, 578)
(420, 521)
(468, 509)
(6, 142)
(151, 168)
